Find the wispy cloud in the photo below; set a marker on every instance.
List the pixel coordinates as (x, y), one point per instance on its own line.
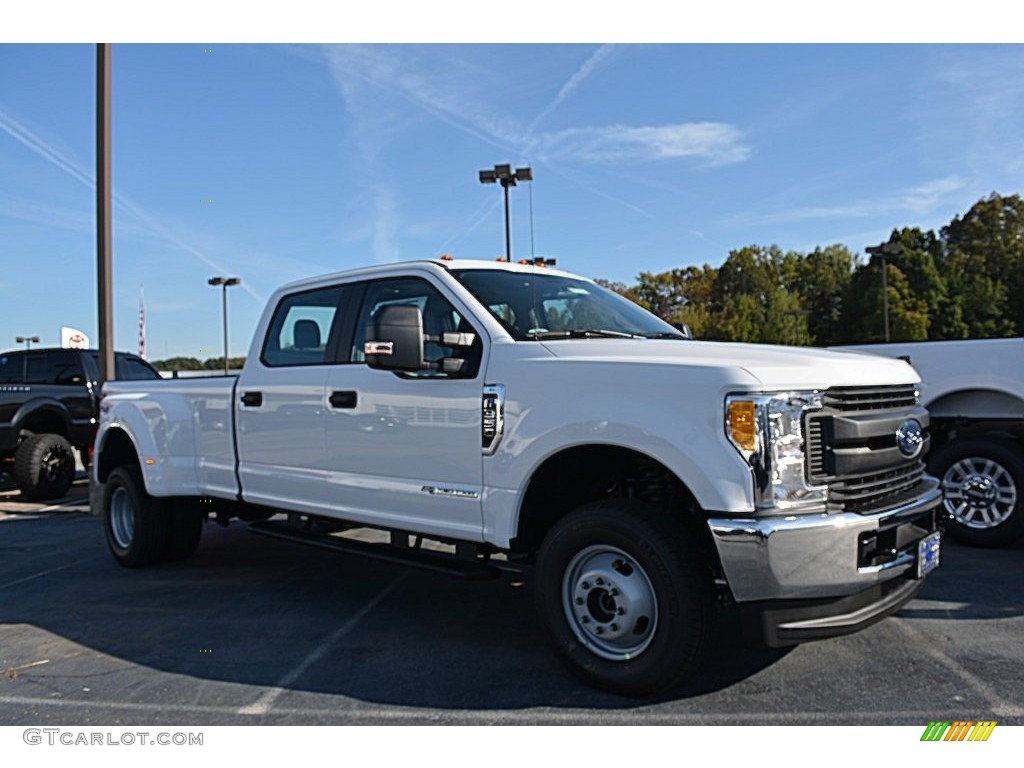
(449, 99)
(596, 59)
(52, 155)
(715, 143)
(919, 200)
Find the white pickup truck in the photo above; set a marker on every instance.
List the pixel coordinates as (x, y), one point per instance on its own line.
(974, 391)
(492, 416)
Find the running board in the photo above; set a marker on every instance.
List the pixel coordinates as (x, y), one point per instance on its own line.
(437, 562)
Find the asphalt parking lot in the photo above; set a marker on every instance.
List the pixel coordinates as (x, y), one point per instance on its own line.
(255, 631)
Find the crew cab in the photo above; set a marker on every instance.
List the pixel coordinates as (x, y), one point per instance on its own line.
(49, 404)
(491, 416)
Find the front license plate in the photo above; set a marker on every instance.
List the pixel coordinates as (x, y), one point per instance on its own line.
(928, 551)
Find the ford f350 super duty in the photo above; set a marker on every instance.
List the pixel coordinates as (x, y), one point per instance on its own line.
(492, 416)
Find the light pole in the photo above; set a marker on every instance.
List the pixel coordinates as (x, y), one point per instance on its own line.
(883, 250)
(225, 283)
(28, 341)
(508, 178)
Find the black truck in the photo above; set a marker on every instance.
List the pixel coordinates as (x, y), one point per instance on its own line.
(49, 403)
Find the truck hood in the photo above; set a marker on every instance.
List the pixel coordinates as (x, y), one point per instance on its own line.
(775, 367)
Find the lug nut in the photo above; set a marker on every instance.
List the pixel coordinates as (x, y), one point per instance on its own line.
(600, 581)
(585, 585)
(579, 601)
(584, 619)
(613, 591)
(614, 627)
(620, 611)
(598, 630)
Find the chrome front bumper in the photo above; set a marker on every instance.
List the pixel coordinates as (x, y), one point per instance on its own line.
(820, 555)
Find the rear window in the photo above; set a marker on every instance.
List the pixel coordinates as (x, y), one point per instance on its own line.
(49, 367)
(301, 328)
(134, 369)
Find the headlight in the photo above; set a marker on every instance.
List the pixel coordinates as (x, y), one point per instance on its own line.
(767, 430)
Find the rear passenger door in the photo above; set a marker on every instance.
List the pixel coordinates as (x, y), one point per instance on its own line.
(279, 402)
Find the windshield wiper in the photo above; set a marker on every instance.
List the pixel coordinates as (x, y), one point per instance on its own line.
(666, 335)
(582, 333)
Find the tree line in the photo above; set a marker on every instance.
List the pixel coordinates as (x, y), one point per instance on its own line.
(195, 364)
(963, 282)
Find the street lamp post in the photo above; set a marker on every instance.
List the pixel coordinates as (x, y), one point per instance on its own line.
(225, 283)
(508, 178)
(883, 250)
(28, 341)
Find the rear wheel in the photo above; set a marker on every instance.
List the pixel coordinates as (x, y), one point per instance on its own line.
(44, 466)
(983, 490)
(137, 524)
(626, 596)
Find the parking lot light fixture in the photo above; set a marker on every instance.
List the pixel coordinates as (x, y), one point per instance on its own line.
(28, 341)
(225, 283)
(504, 175)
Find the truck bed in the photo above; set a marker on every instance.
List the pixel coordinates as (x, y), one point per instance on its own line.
(191, 425)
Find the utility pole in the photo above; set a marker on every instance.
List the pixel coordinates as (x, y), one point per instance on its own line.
(104, 267)
(883, 250)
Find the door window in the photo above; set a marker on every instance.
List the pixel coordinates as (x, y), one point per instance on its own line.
(301, 328)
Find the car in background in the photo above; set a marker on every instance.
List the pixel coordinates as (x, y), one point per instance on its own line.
(49, 404)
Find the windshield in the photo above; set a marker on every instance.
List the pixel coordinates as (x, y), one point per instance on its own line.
(535, 306)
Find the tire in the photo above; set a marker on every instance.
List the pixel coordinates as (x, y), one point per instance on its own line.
(186, 529)
(983, 490)
(137, 524)
(615, 561)
(44, 467)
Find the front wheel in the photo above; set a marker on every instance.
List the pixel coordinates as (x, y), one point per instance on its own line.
(983, 490)
(626, 596)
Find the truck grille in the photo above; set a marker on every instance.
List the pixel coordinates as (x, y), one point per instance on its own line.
(845, 399)
(851, 445)
(860, 493)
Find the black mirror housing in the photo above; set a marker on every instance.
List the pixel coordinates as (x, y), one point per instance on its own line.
(395, 339)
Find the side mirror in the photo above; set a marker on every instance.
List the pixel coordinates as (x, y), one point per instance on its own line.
(397, 339)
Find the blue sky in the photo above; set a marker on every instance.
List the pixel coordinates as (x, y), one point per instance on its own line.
(321, 158)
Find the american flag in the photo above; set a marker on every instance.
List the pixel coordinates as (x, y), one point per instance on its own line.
(142, 326)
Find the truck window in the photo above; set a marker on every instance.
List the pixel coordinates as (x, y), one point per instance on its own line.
(11, 367)
(301, 328)
(134, 369)
(439, 316)
(50, 367)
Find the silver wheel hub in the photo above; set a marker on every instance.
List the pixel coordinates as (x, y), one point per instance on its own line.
(609, 603)
(979, 493)
(122, 518)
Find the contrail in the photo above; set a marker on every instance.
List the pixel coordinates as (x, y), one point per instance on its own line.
(23, 135)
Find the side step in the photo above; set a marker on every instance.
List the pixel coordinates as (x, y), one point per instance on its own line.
(415, 558)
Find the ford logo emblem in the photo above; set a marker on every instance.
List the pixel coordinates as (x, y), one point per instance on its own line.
(910, 438)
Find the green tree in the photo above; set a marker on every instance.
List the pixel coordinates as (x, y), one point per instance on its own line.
(984, 265)
(752, 301)
(822, 279)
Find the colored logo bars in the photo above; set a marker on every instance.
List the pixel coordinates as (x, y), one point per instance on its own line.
(959, 730)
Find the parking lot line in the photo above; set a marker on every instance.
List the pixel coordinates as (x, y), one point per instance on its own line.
(262, 705)
(1000, 706)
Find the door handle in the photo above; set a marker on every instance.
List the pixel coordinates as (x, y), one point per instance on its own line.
(252, 399)
(346, 399)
